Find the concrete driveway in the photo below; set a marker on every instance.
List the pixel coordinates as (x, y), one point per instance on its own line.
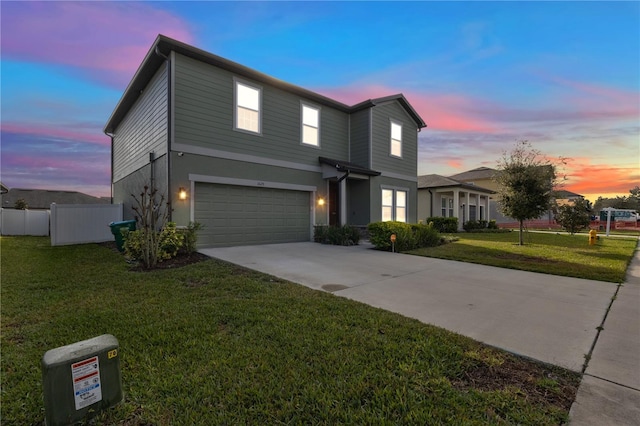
(544, 317)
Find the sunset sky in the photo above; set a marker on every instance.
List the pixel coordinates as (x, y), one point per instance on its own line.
(563, 75)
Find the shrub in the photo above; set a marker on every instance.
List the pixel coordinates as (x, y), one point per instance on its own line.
(346, 235)
(408, 237)
(445, 225)
(153, 241)
(190, 237)
(472, 225)
(492, 224)
(426, 236)
(136, 243)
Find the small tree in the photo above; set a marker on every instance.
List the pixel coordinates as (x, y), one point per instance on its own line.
(21, 204)
(526, 181)
(574, 216)
(151, 213)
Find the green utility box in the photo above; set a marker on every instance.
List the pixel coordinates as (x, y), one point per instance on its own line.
(116, 230)
(81, 379)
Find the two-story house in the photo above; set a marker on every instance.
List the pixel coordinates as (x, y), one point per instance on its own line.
(254, 159)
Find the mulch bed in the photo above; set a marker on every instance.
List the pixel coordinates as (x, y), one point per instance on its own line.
(182, 259)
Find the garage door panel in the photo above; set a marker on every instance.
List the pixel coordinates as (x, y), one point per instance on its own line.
(238, 215)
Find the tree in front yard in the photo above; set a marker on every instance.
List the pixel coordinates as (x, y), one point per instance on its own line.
(155, 239)
(526, 180)
(573, 216)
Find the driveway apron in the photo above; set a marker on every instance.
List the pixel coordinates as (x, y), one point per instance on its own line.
(545, 317)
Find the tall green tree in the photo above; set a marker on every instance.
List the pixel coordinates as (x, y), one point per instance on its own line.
(526, 180)
(573, 216)
(620, 202)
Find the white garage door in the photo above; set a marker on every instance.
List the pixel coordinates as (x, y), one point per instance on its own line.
(242, 215)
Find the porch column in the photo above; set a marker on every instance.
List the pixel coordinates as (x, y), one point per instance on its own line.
(487, 202)
(456, 206)
(343, 202)
(466, 205)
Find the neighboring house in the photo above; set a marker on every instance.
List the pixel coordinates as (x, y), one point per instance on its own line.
(563, 197)
(3, 188)
(482, 176)
(255, 159)
(41, 199)
(447, 197)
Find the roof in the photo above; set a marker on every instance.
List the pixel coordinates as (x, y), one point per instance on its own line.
(3, 188)
(474, 174)
(346, 166)
(437, 181)
(563, 193)
(163, 45)
(42, 198)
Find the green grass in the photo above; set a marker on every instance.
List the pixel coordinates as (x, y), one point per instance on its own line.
(212, 343)
(557, 254)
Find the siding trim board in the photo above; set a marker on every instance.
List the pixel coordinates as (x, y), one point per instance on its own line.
(210, 152)
(250, 182)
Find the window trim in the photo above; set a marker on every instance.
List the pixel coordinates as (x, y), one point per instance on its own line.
(236, 83)
(394, 200)
(393, 122)
(302, 123)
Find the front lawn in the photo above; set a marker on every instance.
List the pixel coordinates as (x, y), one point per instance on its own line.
(557, 254)
(212, 343)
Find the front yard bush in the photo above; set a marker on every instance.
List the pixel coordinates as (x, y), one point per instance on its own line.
(445, 225)
(408, 237)
(346, 235)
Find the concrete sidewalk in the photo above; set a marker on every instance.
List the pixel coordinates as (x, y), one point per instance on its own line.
(549, 318)
(610, 390)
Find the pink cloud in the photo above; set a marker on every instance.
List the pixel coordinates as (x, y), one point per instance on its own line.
(593, 180)
(108, 39)
(61, 132)
(455, 164)
(444, 112)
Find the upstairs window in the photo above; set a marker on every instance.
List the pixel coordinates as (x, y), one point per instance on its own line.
(247, 107)
(396, 139)
(310, 125)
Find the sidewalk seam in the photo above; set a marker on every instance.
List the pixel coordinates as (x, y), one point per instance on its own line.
(612, 382)
(599, 328)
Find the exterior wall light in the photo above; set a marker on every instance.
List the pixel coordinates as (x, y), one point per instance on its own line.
(182, 193)
(321, 202)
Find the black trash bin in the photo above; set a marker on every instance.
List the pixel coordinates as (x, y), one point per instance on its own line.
(116, 230)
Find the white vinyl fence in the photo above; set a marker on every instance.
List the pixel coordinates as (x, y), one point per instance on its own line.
(24, 222)
(83, 223)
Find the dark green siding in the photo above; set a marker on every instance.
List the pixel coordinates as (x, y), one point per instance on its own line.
(143, 130)
(382, 159)
(204, 103)
(135, 182)
(360, 138)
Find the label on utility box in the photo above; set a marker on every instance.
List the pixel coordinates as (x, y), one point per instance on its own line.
(86, 382)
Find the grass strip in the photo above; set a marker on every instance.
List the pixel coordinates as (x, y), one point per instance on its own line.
(556, 254)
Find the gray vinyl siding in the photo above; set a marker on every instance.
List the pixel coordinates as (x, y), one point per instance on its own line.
(360, 138)
(135, 182)
(382, 159)
(204, 105)
(182, 166)
(378, 182)
(143, 130)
